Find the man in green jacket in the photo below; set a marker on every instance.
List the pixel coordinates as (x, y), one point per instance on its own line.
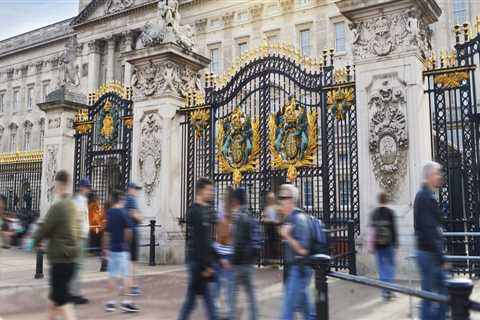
(61, 228)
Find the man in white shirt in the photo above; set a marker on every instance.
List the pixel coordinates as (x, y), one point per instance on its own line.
(81, 203)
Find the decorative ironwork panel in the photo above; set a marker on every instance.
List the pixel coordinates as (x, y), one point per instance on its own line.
(103, 139)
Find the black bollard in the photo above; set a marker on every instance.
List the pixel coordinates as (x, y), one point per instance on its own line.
(152, 243)
(459, 291)
(321, 264)
(352, 254)
(39, 266)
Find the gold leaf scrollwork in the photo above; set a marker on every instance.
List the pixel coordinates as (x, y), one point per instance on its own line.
(238, 144)
(293, 138)
(340, 101)
(128, 122)
(82, 124)
(451, 80)
(199, 120)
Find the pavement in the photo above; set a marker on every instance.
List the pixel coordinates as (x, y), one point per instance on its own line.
(25, 298)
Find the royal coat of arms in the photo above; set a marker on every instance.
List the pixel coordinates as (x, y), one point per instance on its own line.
(107, 124)
(238, 144)
(293, 138)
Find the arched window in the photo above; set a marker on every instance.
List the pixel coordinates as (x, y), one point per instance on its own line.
(27, 136)
(42, 133)
(12, 146)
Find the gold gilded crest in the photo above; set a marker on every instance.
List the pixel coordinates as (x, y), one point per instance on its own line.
(293, 138)
(238, 144)
(199, 121)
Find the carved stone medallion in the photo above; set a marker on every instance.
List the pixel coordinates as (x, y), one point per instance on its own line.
(150, 153)
(388, 141)
(51, 169)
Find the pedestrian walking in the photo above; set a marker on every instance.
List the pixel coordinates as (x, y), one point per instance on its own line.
(116, 243)
(4, 228)
(133, 211)
(385, 241)
(427, 224)
(96, 217)
(61, 228)
(224, 250)
(244, 254)
(200, 252)
(271, 221)
(296, 234)
(81, 202)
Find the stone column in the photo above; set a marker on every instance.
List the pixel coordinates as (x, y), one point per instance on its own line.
(390, 41)
(110, 59)
(93, 65)
(128, 46)
(162, 75)
(59, 145)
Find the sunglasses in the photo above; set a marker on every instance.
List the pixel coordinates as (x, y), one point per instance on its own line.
(284, 197)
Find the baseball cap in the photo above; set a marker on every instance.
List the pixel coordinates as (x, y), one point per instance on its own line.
(85, 183)
(133, 185)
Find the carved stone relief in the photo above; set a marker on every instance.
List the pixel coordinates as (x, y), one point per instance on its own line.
(388, 138)
(54, 123)
(164, 78)
(118, 5)
(167, 28)
(381, 36)
(51, 169)
(150, 153)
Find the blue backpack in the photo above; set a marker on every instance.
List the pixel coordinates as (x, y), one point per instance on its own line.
(318, 236)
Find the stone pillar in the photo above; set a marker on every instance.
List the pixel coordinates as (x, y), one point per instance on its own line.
(390, 41)
(59, 144)
(110, 59)
(128, 46)
(162, 75)
(93, 65)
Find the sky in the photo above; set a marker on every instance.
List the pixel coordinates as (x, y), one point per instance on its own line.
(20, 16)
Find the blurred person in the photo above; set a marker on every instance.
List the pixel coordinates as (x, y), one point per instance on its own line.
(131, 205)
(61, 228)
(5, 228)
(428, 232)
(271, 220)
(117, 236)
(200, 252)
(223, 248)
(96, 216)
(385, 241)
(244, 254)
(81, 202)
(296, 233)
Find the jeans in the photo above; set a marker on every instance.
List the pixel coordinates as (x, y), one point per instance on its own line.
(243, 274)
(225, 280)
(296, 293)
(191, 297)
(433, 280)
(386, 264)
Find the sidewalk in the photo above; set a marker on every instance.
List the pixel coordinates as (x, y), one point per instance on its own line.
(24, 298)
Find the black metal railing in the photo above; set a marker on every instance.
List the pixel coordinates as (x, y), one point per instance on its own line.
(464, 263)
(152, 243)
(458, 297)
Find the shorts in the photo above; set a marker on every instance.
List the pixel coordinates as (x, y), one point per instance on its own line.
(118, 264)
(134, 247)
(61, 275)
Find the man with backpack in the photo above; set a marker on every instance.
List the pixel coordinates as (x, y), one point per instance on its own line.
(297, 235)
(245, 250)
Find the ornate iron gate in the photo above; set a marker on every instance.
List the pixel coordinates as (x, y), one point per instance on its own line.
(277, 117)
(103, 140)
(455, 120)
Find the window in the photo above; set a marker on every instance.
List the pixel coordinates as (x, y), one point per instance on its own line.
(340, 36)
(304, 2)
(27, 138)
(30, 98)
(45, 90)
(459, 11)
(2, 102)
(215, 60)
(272, 38)
(16, 94)
(13, 141)
(305, 43)
(242, 48)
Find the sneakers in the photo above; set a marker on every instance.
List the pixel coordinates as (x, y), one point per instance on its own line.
(110, 307)
(129, 307)
(135, 291)
(78, 300)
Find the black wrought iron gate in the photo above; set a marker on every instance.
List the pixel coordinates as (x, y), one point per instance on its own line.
(455, 119)
(277, 117)
(103, 140)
